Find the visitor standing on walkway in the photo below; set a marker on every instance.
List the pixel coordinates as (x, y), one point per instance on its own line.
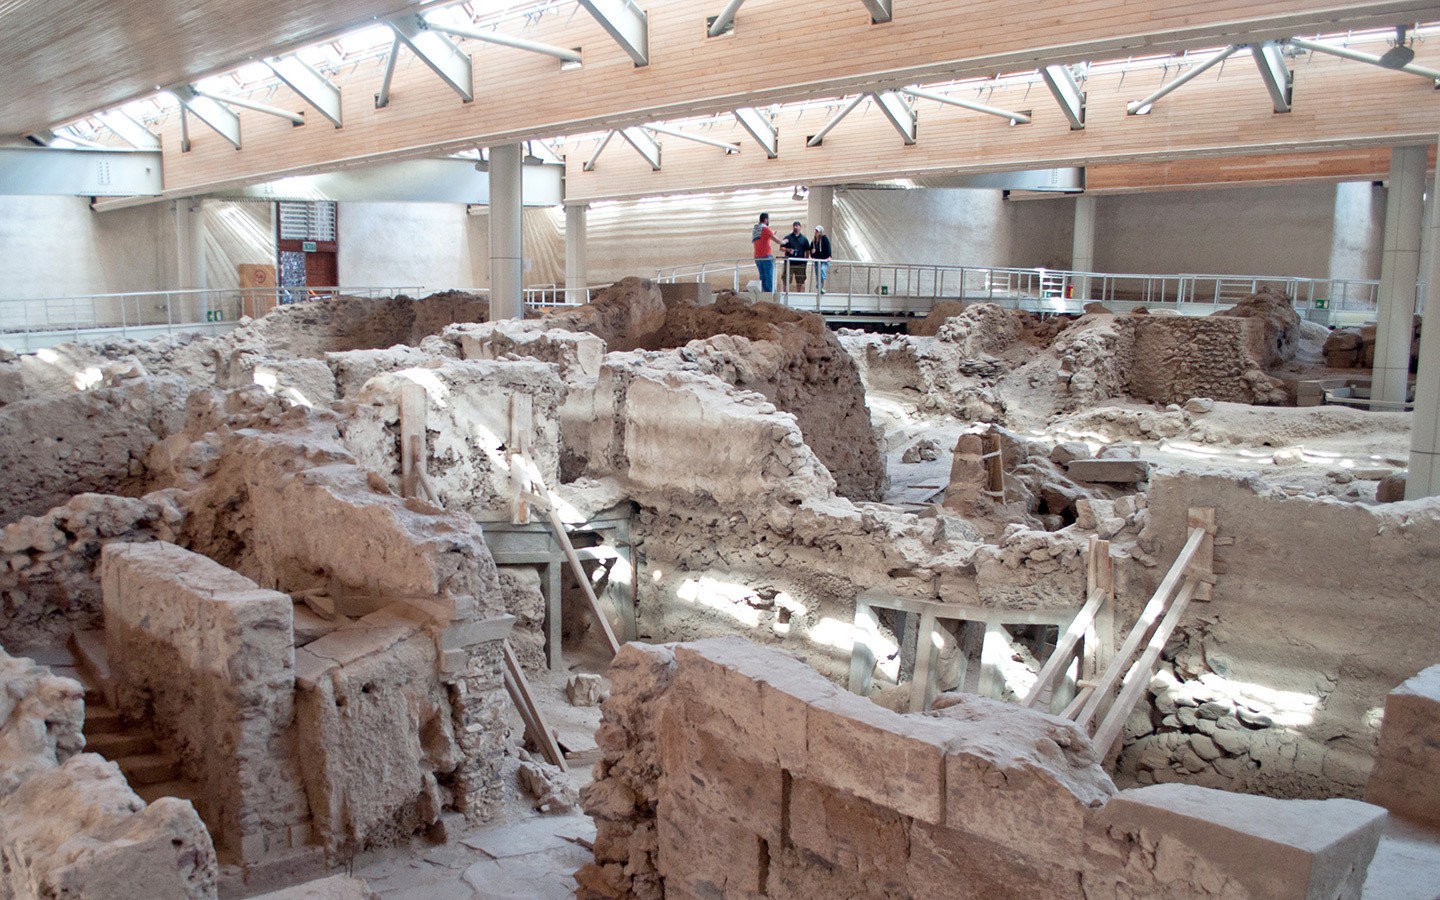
(797, 250)
(820, 252)
(762, 237)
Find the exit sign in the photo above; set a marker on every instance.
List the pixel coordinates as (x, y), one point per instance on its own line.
(308, 246)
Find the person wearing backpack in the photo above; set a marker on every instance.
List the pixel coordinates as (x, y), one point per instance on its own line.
(762, 237)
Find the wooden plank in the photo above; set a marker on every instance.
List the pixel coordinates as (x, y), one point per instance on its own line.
(1060, 660)
(862, 655)
(1202, 567)
(1338, 102)
(522, 417)
(575, 566)
(1148, 617)
(413, 407)
(994, 465)
(535, 726)
(922, 682)
(1138, 678)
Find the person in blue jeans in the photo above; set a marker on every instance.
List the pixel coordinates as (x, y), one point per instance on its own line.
(762, 237)
(820, 252)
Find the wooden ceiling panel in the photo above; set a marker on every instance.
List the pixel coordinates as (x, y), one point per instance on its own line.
(62, 59)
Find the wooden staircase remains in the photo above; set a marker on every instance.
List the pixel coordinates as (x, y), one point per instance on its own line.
(1097, 707)
(152, 772)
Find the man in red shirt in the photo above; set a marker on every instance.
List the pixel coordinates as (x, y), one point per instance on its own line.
(763, 237)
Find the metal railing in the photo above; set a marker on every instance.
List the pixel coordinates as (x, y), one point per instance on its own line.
(860, 287)
(149, 314)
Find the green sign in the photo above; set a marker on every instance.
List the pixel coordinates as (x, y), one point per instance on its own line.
(214, 315)
(1322, 303)
(308, 246)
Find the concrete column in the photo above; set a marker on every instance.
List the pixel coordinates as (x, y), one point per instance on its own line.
(577, 269)
(1082, 253)
(507, 258)
(1423, 479)
(821, 210)
(1399, 270)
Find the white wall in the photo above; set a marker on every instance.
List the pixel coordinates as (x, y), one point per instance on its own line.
(57, 247)
(1283, 230)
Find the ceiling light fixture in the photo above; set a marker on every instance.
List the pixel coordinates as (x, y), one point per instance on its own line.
(1400, 55)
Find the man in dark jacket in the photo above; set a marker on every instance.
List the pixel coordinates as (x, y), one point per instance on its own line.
(797, 250)
(820, 252)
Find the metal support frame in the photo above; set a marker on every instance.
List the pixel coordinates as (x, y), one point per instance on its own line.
(1066, 89)
(626, 23)
(129, 130)
(382, 97)
(1140, 107)
(818, 137)
(761, 129)
(644, 144)
(1015, 118)
(1358, 56)
(296, 119)
(722, 21)
(594, 157)
(900, 114)
(305, 80)
(1278, 78)
(438, 52)
(880, 10)
(505, 40)
(218, 116)
(79, 173)
(697, 138)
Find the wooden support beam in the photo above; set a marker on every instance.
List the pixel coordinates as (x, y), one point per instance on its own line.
(536, 727)
(1138, 678)
(522, 417)
(1202, 567)
(1142, 630)
(413, 407)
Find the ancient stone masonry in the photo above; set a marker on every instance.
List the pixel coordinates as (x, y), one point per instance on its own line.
(52, 448)
(730, 770)
(69, 824)
(50, 584)
(1405, 777)
(207, 658)
(789, 357)
(273, 494)
(1227, 710)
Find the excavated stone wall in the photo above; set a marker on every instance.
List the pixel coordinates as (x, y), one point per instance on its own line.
(468, 413)
(207, 659)
(1166, 359)
(70, 826)
(272, 493)
(1276, 686)
(52, 448)
(50, 583)
(789, 357)
(729, 770)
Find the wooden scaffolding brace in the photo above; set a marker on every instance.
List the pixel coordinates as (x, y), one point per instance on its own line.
(1097, 708)
(415, 483)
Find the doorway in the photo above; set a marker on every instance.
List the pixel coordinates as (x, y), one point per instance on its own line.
(307, 249)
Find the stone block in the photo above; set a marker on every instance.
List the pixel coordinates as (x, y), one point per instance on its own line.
(1182, 840)
(946, 863)
(1391, 488)
(1109, 471)
(1406, 779)
(466, 634)
(701, 856)
(862, 840)
(884, 757)
(1019, 778)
